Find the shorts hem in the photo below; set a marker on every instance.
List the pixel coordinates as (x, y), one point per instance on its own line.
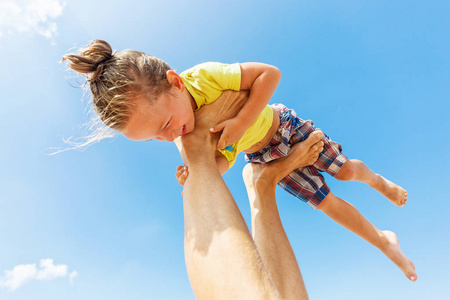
(337, 164)
(318, 197)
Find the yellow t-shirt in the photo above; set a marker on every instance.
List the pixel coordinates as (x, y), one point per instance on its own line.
(207, 81)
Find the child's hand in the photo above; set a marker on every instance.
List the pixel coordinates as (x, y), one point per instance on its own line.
(182, 174)
(232, 131)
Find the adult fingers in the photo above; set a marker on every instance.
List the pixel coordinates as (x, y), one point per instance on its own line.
(313, 138)
(218, 127)
(222, 143)
(318, 147)
(317, 135)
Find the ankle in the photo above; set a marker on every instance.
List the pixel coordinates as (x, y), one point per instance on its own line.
(375, 183)
(265, 183)
(383, 242)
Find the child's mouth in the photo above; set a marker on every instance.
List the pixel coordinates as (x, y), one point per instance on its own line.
(183, 132)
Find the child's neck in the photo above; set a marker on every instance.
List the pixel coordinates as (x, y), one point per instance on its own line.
(191, 99)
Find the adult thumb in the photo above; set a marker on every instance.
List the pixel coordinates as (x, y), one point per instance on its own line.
(217, 128)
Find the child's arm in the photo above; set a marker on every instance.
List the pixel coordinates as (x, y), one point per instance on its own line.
(261, 80)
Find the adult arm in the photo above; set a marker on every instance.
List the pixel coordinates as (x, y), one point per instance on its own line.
(221, 258)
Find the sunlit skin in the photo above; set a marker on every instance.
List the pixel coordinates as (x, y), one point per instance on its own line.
(171, 115)
(165, 118)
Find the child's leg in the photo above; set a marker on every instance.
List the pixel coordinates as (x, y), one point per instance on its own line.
(356, 170)
(267, 230)
(348, 216)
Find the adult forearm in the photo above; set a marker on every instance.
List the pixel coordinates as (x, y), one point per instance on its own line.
(221, 258)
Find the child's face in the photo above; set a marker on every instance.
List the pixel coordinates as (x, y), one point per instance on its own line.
(168, 117)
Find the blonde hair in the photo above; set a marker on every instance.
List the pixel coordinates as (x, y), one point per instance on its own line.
(113, 78)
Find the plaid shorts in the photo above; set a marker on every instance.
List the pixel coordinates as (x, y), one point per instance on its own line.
(305, 183)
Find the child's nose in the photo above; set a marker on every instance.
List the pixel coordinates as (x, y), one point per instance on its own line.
(170, 137)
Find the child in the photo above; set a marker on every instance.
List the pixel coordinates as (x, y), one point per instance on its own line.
(143, 98)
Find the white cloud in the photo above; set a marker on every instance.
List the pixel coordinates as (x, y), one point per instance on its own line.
(21, 274)
(30, 16)
(72, 276)
(18, 276)
(49, 271)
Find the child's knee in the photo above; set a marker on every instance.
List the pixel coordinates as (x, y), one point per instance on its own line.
(347, 171)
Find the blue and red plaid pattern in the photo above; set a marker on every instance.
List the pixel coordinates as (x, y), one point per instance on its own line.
(305, 183)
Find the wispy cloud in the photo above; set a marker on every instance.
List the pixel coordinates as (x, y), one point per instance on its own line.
(30, 16)
(21, 274)
(72, 276)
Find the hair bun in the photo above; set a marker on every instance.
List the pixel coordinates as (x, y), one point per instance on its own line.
(90, 60)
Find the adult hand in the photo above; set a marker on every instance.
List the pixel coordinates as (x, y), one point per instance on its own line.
(226, 107)
(231, 132)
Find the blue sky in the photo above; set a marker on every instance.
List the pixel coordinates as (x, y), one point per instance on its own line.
(107, 222)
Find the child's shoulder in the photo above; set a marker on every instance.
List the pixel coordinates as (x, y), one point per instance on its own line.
(207, 81)
(212, 68)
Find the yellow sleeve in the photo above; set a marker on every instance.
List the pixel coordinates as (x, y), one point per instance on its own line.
(207, 81)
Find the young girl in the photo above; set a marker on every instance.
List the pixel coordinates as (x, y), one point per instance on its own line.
(143, 98)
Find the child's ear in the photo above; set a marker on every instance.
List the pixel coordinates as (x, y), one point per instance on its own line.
(175, 80)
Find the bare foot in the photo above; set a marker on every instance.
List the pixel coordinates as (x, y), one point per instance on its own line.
(392, 250)
(301, 154)
(396, 194)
